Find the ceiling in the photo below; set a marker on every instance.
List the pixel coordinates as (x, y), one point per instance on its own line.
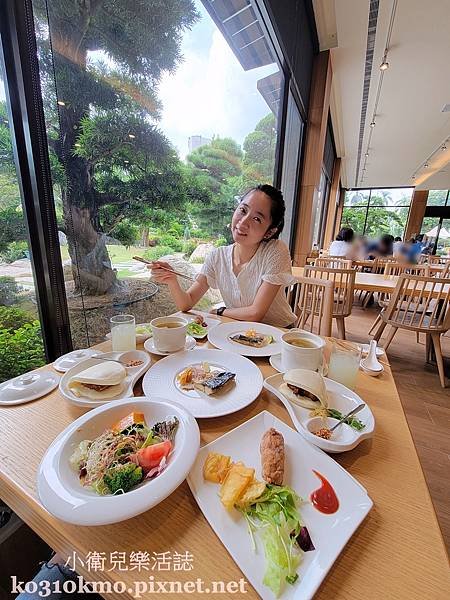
(410, 125)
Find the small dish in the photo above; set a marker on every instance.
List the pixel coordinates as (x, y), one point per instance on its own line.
(275, 362)
(343, 434)
(149, 345)
(340, 398)
(211, 322)
(69, 360)
(133, 374)
(25, 388)
(365, 349)
(220, 338)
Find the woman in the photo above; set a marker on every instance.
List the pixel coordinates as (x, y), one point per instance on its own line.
(343, 244)
(252, 273)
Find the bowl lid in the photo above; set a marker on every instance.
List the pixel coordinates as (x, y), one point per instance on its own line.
(27, 387)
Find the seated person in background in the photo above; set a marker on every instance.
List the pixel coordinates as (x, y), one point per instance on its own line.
(383, 247)
(252, 273)
(343, 244)
(400, 250)
(420, 246)
(360, 247)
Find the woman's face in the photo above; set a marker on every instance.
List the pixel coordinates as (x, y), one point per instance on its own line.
(251, 221)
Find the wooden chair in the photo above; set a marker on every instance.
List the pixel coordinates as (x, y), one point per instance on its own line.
(343, 285)
(420, 304)
(379, 265)
(314, 302)
(394, 270)
(333, 262)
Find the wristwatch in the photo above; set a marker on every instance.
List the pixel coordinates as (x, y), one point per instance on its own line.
(220, 310)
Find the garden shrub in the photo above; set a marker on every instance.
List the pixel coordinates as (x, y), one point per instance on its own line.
(157, 251)
(21, 350)
(15, 251)
(9, 291)
(198, 260)
(170, 240)
(220, 242)
(14, 318)
(188, 247)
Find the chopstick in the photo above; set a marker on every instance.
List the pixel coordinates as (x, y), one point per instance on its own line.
(149, 262)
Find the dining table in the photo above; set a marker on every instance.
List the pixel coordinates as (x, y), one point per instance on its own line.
(397, 552)
(373, 282)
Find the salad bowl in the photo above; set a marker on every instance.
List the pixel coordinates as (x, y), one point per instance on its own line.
(59, 487)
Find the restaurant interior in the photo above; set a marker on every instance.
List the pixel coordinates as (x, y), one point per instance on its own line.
(129, 133)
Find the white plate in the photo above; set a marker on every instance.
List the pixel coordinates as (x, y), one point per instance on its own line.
(140, 337)
(27, 387)
(133, 374)
(211, 322)
(69, 360)
(149, 345)
(329, 533)
(220, 337)
(275, 363)
(365, 349)
(161, 378)
(64, 497)
(339, 397)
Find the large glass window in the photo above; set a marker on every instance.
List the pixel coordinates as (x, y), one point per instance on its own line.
(291, 160)
(373, 212)
(159, 116)
(437, 228)
(21, 346)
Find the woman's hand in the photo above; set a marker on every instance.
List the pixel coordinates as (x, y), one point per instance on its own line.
(161, 275)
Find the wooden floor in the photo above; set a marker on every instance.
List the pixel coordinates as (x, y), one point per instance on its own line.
(426, 405)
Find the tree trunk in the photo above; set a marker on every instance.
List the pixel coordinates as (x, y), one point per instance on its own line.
(91, 265)
(145, 237)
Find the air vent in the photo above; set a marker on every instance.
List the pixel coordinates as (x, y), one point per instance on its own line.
(446, 108)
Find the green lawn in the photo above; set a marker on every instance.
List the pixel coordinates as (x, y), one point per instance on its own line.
(116, 253)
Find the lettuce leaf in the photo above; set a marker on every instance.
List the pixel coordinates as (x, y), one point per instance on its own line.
(275, 515)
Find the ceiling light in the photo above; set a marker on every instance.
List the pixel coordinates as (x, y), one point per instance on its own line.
(443, 147)
(384, 65)
(413, 177)
(372, 124)
(61, 103)
(131, 136)
(367, 154)
(426, 165)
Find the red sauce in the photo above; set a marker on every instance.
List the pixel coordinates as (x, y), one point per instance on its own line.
(324, 499)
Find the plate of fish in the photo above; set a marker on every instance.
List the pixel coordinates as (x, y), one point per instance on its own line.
(208, 383)
(247, 338)
(117, 461)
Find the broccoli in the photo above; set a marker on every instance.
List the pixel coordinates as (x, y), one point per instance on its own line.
(122, 478)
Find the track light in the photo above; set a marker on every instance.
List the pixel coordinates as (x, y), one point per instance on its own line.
(372, 124)
(367, 154)
(384, 65)
(413, 177)
(443, 147)
(426, 165)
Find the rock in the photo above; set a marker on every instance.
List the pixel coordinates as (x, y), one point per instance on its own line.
(201, 252)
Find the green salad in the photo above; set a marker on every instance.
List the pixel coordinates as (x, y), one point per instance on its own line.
(196, 329)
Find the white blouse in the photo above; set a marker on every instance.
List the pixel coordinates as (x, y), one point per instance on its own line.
(271, 263)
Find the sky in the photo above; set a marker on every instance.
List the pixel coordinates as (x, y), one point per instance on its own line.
(209, 93)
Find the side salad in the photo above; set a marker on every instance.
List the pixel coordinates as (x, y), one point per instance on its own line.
(124, 455)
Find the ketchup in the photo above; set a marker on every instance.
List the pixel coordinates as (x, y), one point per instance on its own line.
(324, 499)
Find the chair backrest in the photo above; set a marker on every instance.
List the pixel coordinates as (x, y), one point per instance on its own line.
(393, 269)
(315, 305)
(333, 262)
(445, 271)
(420, 303)
(380, 263)
(343, 285)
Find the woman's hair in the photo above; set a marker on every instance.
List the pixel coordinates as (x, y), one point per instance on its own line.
(398, 239)
(277, 207)
(346, 234)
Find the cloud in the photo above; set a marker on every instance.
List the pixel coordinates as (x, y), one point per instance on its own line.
(210, 93)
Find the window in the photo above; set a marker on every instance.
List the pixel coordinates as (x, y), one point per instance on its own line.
(291, 162)
(376, 211)
(438, 198)
(159, 116)
(21, 346)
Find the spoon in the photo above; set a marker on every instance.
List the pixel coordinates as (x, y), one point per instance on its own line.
(352, 412)
(371, 361)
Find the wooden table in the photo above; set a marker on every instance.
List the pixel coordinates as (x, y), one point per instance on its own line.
(397, 552)
(368, 282)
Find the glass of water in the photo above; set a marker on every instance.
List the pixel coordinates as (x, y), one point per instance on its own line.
(123, 333)
(344, 365)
